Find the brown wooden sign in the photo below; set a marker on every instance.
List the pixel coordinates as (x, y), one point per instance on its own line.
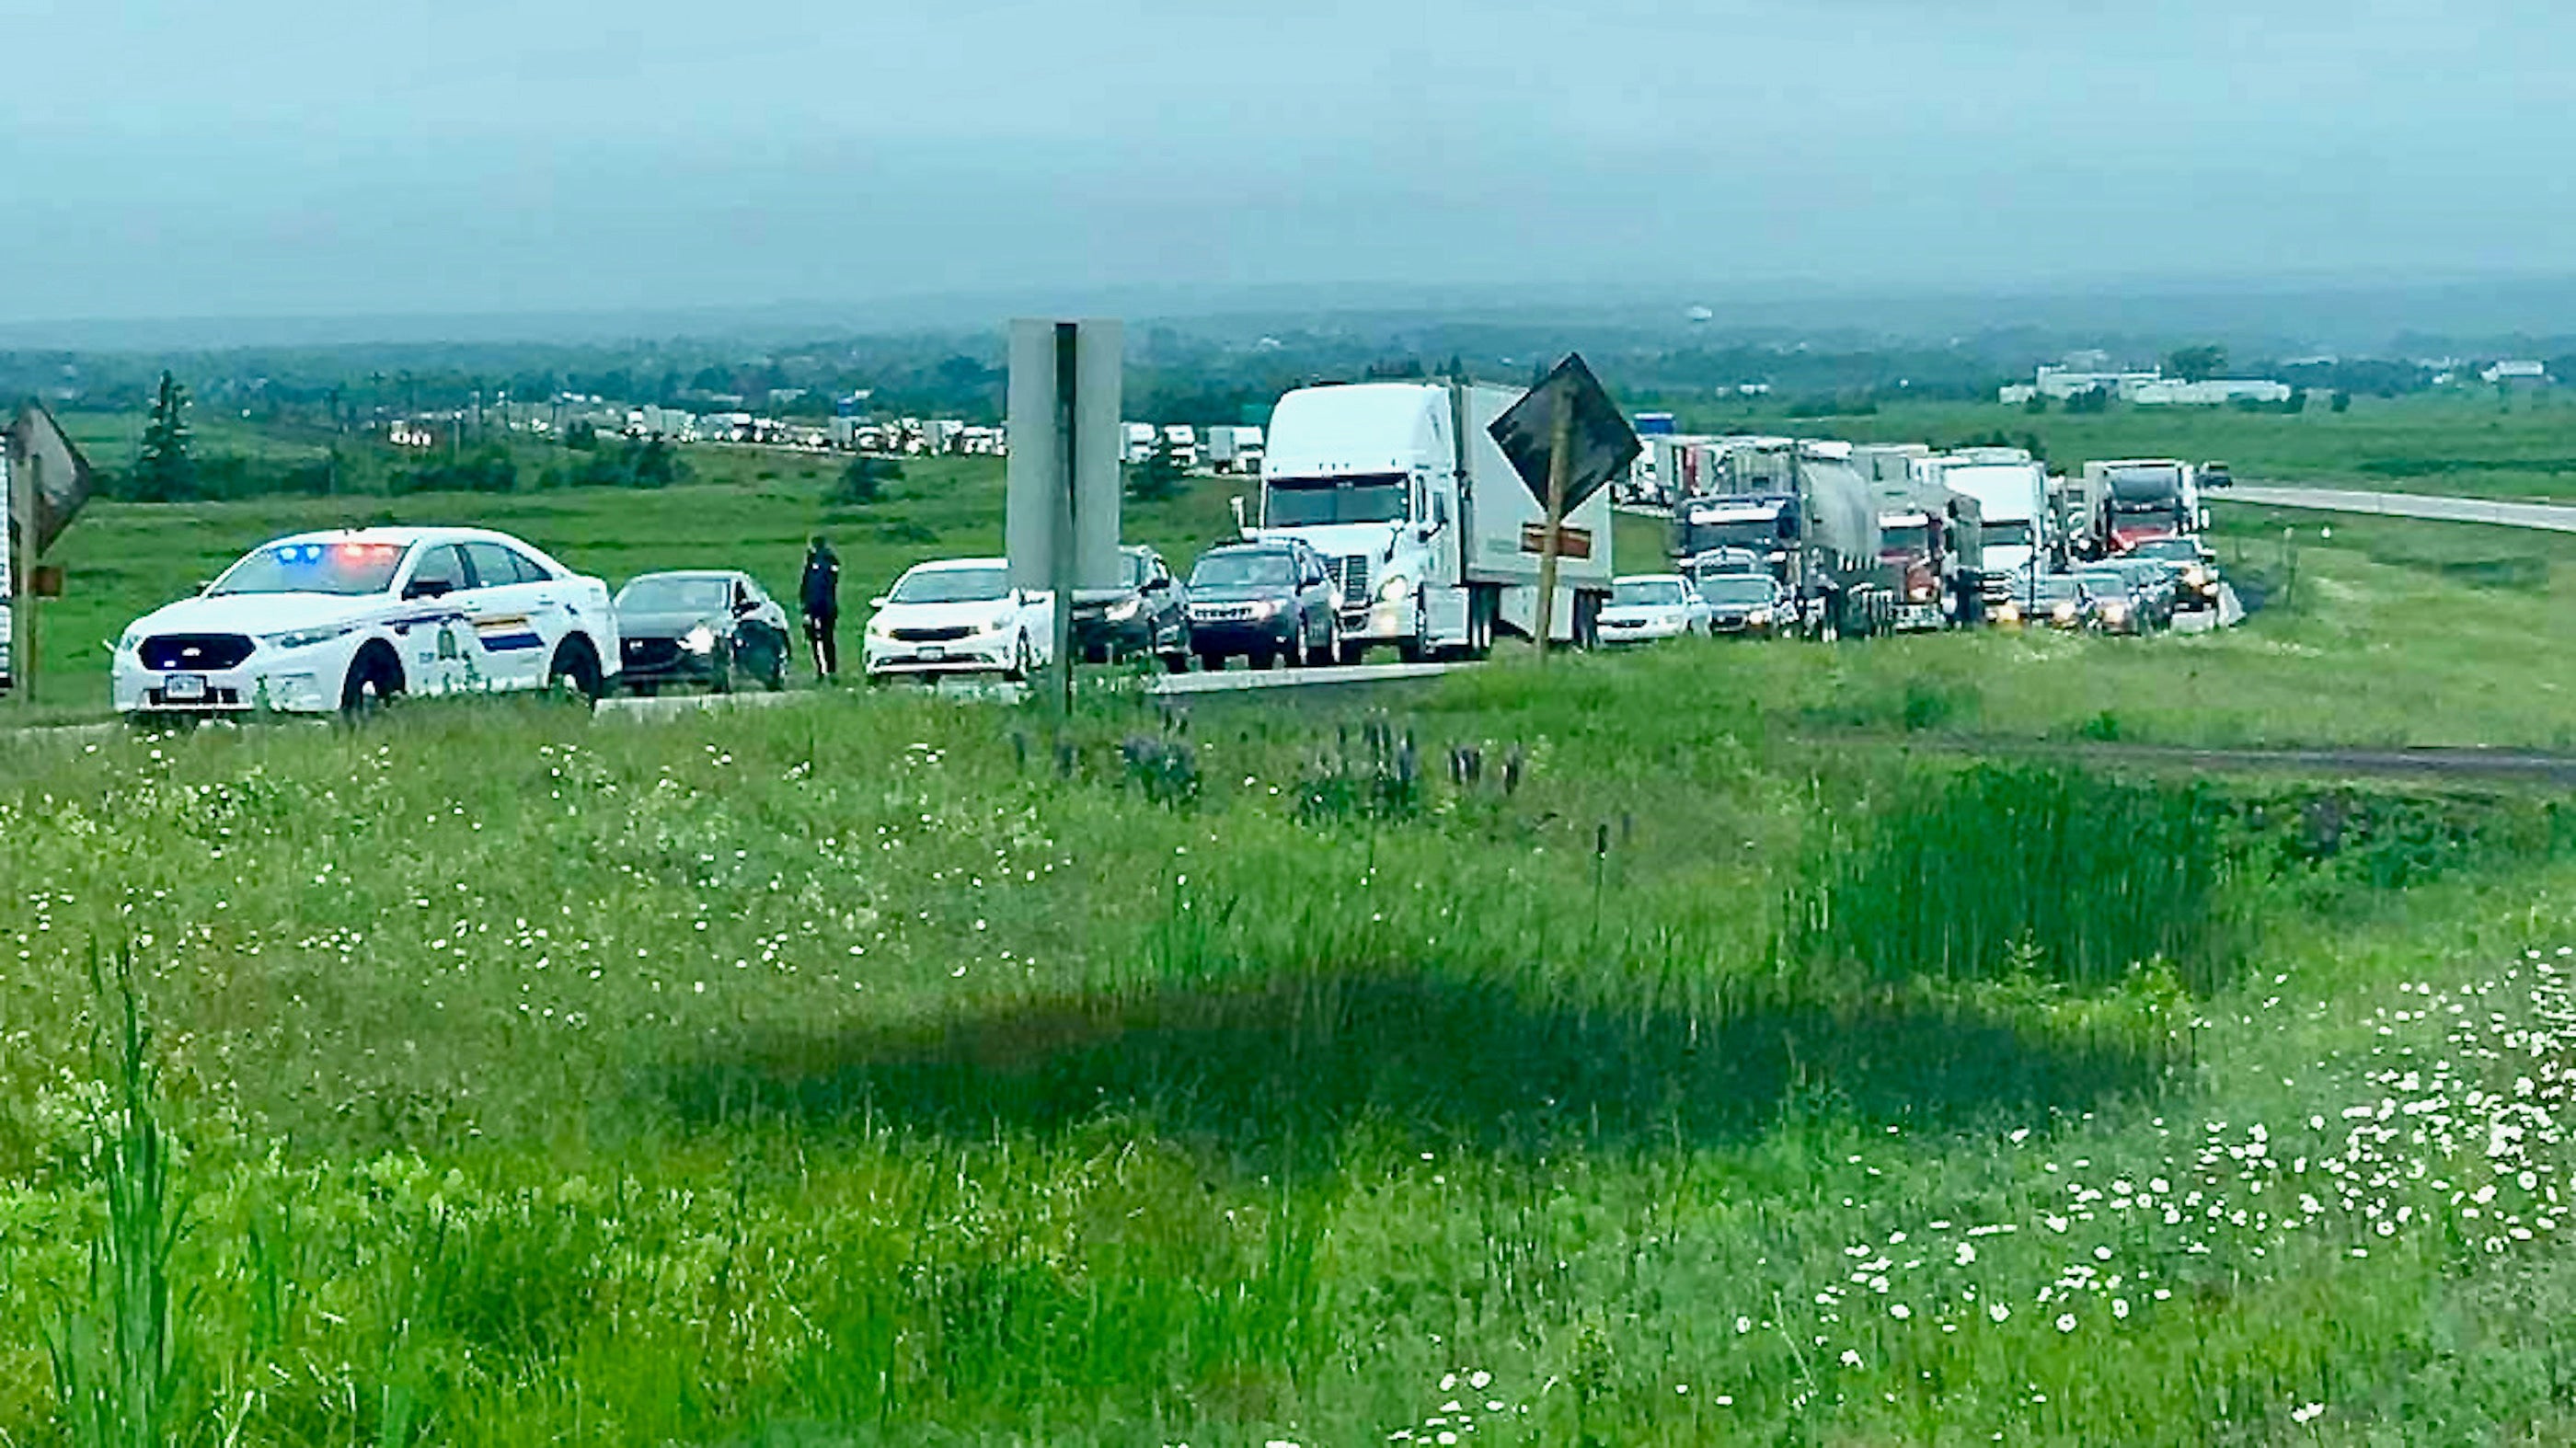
(1570, 542)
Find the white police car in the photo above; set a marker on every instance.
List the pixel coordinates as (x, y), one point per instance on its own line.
(346, 620)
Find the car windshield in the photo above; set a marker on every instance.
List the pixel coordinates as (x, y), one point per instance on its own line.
(350, 568)
(1305, 502)
(2169, 550)
(1735, 591)
(1248, 569)
(676, 595)
(2055, 588)
(2105, 583)
(1646, 593)
(952, 585)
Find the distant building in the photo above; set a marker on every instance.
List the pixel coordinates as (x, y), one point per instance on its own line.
(2150, 388)
(2526, 374)
(2174, 392)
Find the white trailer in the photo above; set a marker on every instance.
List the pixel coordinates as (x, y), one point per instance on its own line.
(2011, 492)
(1433, 539)
(1183, 440)
(1136, 441)
(1233, 449)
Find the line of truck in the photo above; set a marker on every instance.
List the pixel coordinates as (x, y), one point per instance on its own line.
(1882, 538)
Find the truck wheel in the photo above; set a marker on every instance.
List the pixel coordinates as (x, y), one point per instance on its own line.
(1211, 663)
(1353, 652)
(1265, 658)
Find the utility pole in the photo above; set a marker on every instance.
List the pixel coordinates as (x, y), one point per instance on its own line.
(1560, 462)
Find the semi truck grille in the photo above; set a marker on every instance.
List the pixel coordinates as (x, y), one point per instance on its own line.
(1351, 574)
(194, 651)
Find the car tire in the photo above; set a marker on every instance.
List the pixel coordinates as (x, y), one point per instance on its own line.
(1211, 663)
(575, 670)
(375, 679)
(1265, 659)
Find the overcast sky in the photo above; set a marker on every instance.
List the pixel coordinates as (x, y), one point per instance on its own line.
(278, 157)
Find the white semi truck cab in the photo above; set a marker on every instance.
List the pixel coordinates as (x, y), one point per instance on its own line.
(1433, 539)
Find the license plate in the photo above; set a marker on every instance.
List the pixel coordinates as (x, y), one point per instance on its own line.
(934, 652)
(182, 688)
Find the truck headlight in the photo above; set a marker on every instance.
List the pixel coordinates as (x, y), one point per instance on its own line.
(699, 640)
(305, 638)
(1396, 589)
(1126, 608)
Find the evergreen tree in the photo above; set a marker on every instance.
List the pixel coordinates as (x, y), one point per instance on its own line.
(1158, 477)
(165, 471)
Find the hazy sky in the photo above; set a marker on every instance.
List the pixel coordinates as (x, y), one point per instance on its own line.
(276, 157)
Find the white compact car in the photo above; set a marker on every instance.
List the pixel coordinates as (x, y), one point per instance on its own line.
(960, 616)
(346, 620)
(1653, 606)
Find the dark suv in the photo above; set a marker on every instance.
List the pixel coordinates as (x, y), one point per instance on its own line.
(1263, 600)
(1148, 613)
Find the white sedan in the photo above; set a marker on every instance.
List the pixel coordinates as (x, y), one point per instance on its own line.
(346, 620)
(1653, 606)
(960, 616)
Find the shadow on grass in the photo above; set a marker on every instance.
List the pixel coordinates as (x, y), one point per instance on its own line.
(1254, 1067)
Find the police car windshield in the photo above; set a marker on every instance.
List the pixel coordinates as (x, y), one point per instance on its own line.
(676, 595)
(348, 569)
(953, 585)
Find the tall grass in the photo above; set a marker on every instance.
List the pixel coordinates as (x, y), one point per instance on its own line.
(1996, 870)
(118, 1354)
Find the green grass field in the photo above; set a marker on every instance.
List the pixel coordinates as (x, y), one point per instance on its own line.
(1682, 1047)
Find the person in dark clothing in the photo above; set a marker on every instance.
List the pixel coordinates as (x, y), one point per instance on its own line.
(821, 594)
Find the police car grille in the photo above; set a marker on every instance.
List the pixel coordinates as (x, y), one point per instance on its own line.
(195, 651)
(941, 634)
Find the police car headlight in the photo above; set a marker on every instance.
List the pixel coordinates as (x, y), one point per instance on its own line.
(699, 640)
(1395, 590)
(1759, 618)
(132, 641)
(305, 638)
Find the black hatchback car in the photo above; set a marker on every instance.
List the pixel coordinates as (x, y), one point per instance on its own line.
(1147, 614)
(699, 626)
(1264, 601)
